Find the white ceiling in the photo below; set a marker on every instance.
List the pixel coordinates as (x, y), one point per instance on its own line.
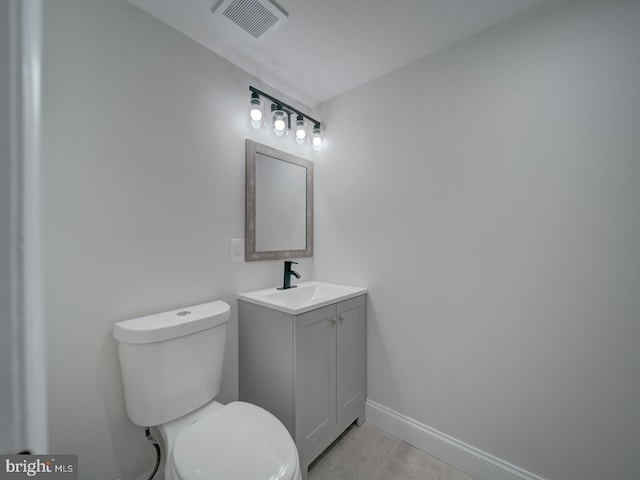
(328, 47)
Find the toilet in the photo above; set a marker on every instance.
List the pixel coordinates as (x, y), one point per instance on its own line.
(171, 367)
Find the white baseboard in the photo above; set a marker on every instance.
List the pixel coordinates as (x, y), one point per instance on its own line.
(470, 460)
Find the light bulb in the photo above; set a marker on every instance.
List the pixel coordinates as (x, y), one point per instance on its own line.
(279, 125)
(316, 140)
(279, 118)
(255, 111)
(301, 133)
(256, 114)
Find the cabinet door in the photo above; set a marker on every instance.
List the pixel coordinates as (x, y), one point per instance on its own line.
(315, 374)
(351, 355)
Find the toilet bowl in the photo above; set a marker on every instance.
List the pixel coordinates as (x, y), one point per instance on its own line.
(171, 366)
(237, 441)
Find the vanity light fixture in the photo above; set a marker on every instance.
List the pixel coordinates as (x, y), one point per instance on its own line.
(256, 111)
(316, 137)
(280, 120)
(281, 114)
(301, 130)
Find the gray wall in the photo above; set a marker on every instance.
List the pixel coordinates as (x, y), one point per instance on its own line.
(143, 144)
(9, 438)
(492, 212)
(489, 197)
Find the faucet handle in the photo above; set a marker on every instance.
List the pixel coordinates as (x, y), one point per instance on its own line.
(288, 263)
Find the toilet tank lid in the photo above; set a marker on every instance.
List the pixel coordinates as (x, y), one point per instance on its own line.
(176, 323)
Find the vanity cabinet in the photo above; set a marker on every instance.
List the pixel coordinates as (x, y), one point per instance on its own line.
(309, 369)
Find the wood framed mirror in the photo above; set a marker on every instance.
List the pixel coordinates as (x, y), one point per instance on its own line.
(278, 204)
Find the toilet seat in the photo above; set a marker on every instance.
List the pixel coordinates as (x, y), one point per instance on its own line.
(239, 441)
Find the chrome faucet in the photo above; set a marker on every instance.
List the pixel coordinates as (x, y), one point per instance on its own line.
(286, 284)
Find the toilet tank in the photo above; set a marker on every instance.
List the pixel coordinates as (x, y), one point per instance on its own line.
(171, 362)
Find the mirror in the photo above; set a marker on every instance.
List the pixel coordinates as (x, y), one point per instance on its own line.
(278, 204)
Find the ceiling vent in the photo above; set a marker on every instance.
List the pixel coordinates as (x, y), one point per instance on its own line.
(258, 18)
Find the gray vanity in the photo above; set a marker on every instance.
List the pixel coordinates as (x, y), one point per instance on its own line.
(303, 358)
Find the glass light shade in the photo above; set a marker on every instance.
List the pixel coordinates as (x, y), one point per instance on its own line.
(301, 131)
(256, 109)
(279, 118)
(316, 138)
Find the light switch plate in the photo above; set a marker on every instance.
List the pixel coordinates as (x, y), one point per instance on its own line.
(236, 249)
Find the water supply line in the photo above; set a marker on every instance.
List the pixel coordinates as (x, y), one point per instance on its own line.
(147, 433)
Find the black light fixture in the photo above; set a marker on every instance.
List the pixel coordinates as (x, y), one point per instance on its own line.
(316, 137)
(256, 111)
(281, 119)
(301, 130)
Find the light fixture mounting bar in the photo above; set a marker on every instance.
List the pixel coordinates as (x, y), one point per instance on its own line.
(286, 106)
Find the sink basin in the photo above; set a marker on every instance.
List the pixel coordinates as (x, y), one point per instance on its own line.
(306, 296)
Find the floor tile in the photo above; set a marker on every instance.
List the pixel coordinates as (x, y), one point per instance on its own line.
(368, 453)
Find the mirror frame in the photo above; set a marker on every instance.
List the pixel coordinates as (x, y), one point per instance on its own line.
(253, 148)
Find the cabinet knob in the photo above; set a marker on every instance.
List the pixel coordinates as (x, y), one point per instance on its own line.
(341, 317)
(334, 320)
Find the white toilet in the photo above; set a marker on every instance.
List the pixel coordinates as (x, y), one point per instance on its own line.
(171, 370)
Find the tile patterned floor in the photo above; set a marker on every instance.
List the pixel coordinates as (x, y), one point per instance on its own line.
(368, 453)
